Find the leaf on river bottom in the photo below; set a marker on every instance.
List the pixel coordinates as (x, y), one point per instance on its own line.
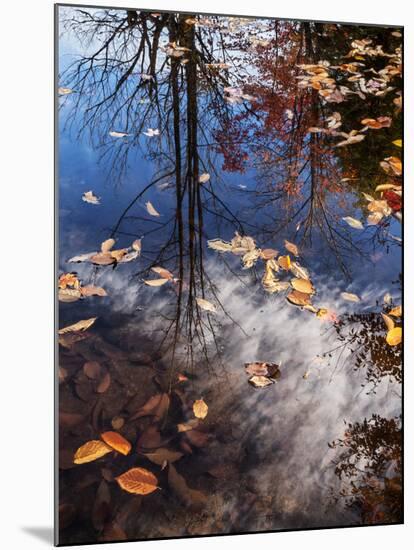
(138, 481)
(191, 498)
(90, 451)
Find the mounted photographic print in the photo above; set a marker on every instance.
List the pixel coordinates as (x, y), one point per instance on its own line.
(229, 274)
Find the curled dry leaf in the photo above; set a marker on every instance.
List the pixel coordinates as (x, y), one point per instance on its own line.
(162, 455)
(68, 280)
(303, 285)
(82, 325)
(90, 451)
(129, 257)
(206, 305)
(115, 134)
(299, 271)
(350, 297)
(292, 248)
(200, 408)
(151, 210)
(118, 254)
(117, 442)
(138, 481)
(260, 381)
(82, 257)
(64, 91)
(156, 282)
(219, 245)
(394, 336)
(352, 222)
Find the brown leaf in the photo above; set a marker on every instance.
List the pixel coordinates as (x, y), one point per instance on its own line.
(299, 298)
(396, 311)
(69, 295)
(191, 498)
(138, 481)
(197, 438)
(268, 253)
(157, 406)
(164, 273)
(284, 262)
(93, 291)
(162, 455)
(101, 508)
(272, 370)
(156, 282)
(117, 422)
(206, 305)
(389, 323)
(292, 248)
(119, 254)
(117, 442)
(104, 383)
(92, 369)
(90, 451)
(103, 258)
(149, 440)
(69, 420)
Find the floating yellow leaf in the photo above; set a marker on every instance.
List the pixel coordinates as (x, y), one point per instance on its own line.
(151, 210)
(79, 326)
(138, 481)
(398, 142)
(200, 408)
(396, 311)
(302, 285)
(90, 451)
(394, 336)
(117, 442)
(205, 304)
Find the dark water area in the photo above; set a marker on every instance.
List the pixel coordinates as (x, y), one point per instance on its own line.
(276, 246)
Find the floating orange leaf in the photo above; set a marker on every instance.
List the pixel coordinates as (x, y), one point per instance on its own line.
(394, 336)
(79, 326)
(138, 481)
(117, 442)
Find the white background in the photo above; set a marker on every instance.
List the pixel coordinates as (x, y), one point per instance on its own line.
(26, 286)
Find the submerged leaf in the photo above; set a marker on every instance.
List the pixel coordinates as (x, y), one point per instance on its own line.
(90, 451)
(192, 499)
(138, 481)
(79, 326)
(163, 455)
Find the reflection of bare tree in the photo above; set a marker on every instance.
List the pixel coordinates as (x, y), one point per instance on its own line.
(370, 465)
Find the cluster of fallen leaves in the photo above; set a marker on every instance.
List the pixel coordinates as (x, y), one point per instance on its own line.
(70, 288)
(108, 256)
(392, 319)
(300, 287)
(262, 374)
